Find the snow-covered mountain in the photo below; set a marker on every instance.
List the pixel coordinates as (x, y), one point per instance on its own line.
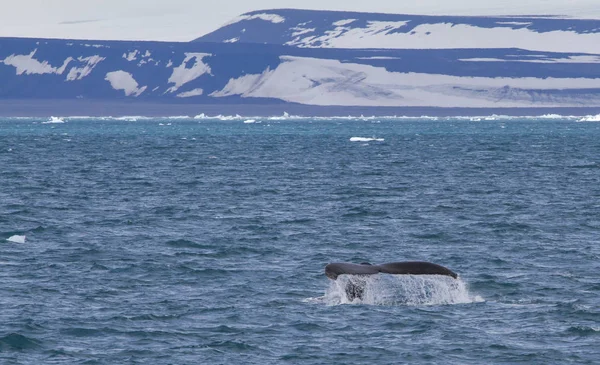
(324, 58)
(335, 29)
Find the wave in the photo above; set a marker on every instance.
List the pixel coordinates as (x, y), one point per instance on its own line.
(16, 341)
(409, 290)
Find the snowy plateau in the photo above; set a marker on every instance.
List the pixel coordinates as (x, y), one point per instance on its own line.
(308, 61)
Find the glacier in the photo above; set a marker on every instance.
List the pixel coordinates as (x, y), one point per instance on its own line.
(311, 62)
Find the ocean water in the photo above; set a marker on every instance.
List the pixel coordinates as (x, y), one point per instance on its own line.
(182, 241)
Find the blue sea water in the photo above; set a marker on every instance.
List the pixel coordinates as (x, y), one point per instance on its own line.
(204, 241)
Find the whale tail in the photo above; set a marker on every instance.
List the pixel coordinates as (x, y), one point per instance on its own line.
(355, 290)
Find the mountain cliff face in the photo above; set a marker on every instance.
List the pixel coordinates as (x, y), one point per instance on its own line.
(319, 58)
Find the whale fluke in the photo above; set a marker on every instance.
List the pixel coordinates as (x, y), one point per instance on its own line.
(355, 289)
(405, 268)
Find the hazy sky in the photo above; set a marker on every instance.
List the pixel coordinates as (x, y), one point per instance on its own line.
(182, 20)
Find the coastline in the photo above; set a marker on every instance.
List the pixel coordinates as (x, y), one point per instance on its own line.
(101, 108)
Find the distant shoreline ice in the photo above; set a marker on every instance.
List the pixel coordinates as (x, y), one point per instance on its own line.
(132, 111)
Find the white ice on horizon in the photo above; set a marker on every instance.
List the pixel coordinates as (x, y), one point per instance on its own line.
(16, 238)
(316, 81)
(183, 74)
(121, 80)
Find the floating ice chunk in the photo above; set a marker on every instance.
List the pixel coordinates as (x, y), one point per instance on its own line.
(16, 239)
(250, 121)
(365, 139)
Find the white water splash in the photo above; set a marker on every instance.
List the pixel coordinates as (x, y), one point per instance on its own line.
(411, 290)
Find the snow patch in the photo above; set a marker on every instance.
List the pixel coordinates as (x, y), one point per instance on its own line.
(121, 80)
(182, 75)
(374, 29)
(273, 18)
(28, 65)
(187, 94)
(382, 34)
(569, 59)
(341, 23)
(78, 73)
(298, 31)
(131, 56)
(315, 81)
(244, 85)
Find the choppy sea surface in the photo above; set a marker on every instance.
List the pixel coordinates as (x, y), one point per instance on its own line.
(182, 241)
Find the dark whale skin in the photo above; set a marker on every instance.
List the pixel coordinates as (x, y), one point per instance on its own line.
(335, 269)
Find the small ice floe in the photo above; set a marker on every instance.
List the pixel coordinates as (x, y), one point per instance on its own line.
(250, 121)
(53, 120)
(366, 139)
(16, 239)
